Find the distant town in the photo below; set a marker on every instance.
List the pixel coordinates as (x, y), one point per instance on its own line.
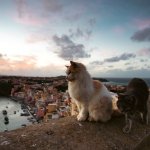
(44, 97)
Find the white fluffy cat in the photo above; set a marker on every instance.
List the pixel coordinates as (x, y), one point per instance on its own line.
(92, 98)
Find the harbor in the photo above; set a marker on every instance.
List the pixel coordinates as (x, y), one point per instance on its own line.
(10, 115)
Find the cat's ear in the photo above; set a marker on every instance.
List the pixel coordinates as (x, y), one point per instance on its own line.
(66, 66)
(74, 64)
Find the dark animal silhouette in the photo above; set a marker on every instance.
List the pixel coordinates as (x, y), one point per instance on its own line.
(134, 100)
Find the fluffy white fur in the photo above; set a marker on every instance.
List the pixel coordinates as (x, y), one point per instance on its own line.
(92, 98)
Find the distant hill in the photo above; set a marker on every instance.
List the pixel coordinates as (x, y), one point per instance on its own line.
(101, 79)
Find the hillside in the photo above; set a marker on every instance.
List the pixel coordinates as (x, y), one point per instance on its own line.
(69, 134)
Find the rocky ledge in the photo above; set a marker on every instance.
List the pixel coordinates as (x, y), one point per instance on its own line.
(69, 134)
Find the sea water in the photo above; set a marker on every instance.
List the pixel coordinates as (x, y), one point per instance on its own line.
(14, 110)
(124, 81)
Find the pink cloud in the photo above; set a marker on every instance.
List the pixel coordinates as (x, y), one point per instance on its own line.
(35, 14)
(142, 23)
(3, 63)
(26, 15)
(144, 52)
(26, 66)
(31, 20)
(26, 63)
(52, 6)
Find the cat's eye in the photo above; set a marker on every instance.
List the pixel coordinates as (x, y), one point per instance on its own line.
(68, 72)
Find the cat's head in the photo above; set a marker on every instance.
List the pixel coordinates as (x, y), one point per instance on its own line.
(126, 102)
(73, 70)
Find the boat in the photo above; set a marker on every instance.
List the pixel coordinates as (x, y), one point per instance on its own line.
(25, 114)
(15, 112)
(23, 125)
(6, 118)
(4, 112)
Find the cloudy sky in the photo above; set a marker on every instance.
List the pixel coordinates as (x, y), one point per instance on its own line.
(39, 37)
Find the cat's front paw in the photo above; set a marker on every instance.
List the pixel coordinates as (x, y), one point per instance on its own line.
(81, 117)
(126, 129)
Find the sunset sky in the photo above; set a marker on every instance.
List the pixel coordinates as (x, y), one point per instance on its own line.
(39, 37)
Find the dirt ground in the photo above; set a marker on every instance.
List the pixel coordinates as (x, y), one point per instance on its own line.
(69, 134)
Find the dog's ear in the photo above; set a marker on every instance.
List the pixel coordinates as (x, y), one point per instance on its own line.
(74, 64)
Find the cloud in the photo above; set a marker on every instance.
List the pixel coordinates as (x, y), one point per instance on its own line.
(128, 63)
(53, 6)
(31, 20)
(25, 63)
(142, 35)
(92, 22)
(78, 33)
(124, 56)
(74, 17)
(143, 60)
(142, 23)
(73, 13)
(144, 52)
(30, 13)
(110, 66)
(97, 62)
(130, 72)
(27, 66)
(27, 14)
(20, 63)
(130, 68)
(21, 7)
(68, 49)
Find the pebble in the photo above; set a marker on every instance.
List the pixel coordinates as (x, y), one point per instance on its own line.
(33, 145)
(80, 124)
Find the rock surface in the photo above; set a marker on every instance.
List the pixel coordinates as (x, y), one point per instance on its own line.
(69, 134)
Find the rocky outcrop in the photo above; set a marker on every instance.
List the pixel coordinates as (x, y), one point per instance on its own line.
(69, 134)
(144, 144)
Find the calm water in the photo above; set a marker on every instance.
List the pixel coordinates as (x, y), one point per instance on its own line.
(15, 120)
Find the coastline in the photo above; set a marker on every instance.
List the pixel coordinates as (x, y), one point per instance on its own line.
(14, 111)
(24, 106)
